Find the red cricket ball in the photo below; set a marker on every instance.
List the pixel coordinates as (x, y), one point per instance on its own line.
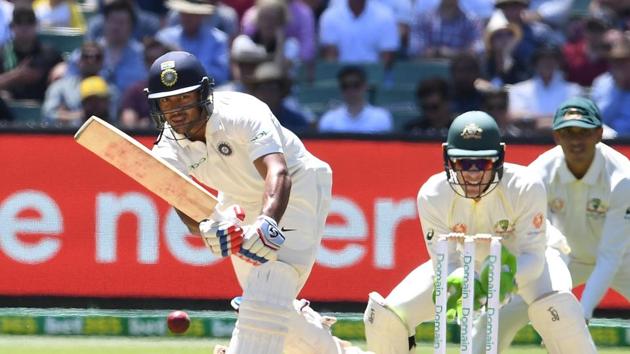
(178, 322)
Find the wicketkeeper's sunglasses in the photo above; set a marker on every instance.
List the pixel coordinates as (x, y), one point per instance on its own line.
(467, 164)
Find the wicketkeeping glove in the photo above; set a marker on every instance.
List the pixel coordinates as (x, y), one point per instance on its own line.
(454, 294)
(262, 241)
(508, 271)
(223, 234)
(454, 303)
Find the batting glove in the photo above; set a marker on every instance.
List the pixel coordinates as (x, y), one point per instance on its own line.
(223, 234)
(262, 241)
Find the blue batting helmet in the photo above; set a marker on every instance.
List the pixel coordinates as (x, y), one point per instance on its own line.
(175, 73)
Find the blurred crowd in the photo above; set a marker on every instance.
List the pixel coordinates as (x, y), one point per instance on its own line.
(515, 59)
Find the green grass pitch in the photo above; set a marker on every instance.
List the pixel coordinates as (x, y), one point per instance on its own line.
(116, 345)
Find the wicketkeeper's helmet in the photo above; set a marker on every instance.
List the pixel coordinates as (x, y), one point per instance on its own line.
(175, 73)
(473, 135)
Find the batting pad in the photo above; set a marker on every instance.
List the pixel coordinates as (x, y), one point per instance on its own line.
(559, 320)
(385, 332)
(263, 319)
(309, 332)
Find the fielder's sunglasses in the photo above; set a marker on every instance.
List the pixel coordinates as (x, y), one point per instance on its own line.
(466, 164)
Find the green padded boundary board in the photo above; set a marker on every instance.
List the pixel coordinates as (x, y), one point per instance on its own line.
(217, 324)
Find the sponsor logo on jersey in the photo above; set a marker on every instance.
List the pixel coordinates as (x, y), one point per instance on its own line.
(259, 136)
(595, 208)
(538, 220)
(504, 228)
(196, 164)
(556, 205)
(471, 131)
(224, 148)
(459, 228)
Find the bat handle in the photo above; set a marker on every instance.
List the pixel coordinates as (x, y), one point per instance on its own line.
(234, 214)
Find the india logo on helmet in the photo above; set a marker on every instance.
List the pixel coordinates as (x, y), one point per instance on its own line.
(168, 77)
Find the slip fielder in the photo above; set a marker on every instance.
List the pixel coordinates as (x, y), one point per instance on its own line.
(588, 184)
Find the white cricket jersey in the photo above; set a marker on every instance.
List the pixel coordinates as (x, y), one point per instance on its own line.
(593, 213)
(240, 130)
(514, 210)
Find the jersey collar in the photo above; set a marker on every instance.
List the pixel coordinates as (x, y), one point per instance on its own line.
(214, 123)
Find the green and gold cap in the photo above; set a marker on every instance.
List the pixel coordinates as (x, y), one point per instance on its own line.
(577, 112)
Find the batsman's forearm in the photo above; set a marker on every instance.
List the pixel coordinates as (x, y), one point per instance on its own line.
(276, 195)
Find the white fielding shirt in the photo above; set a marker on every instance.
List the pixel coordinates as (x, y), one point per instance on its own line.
(359, 39)
(593, 213)
(370, 120)
(514, 210)
(240, 130)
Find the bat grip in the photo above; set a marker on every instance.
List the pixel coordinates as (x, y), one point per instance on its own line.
(234, 214)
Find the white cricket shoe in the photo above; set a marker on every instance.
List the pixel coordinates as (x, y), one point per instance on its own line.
(220, 349)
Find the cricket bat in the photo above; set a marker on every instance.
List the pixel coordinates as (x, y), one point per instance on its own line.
(136, 161)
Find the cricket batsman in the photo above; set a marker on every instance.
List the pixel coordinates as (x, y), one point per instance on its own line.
(588, 184)
(480, 194)
(274, 197)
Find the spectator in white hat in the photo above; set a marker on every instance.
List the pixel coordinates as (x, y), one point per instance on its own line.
(245, 56)
(194, 35)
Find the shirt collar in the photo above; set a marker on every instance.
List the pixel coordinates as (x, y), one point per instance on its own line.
(556, 79)
(214, 123)
(349, 13)
(358, 115)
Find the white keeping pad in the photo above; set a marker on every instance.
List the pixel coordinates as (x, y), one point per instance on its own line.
(386, 333)
(559, 320)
